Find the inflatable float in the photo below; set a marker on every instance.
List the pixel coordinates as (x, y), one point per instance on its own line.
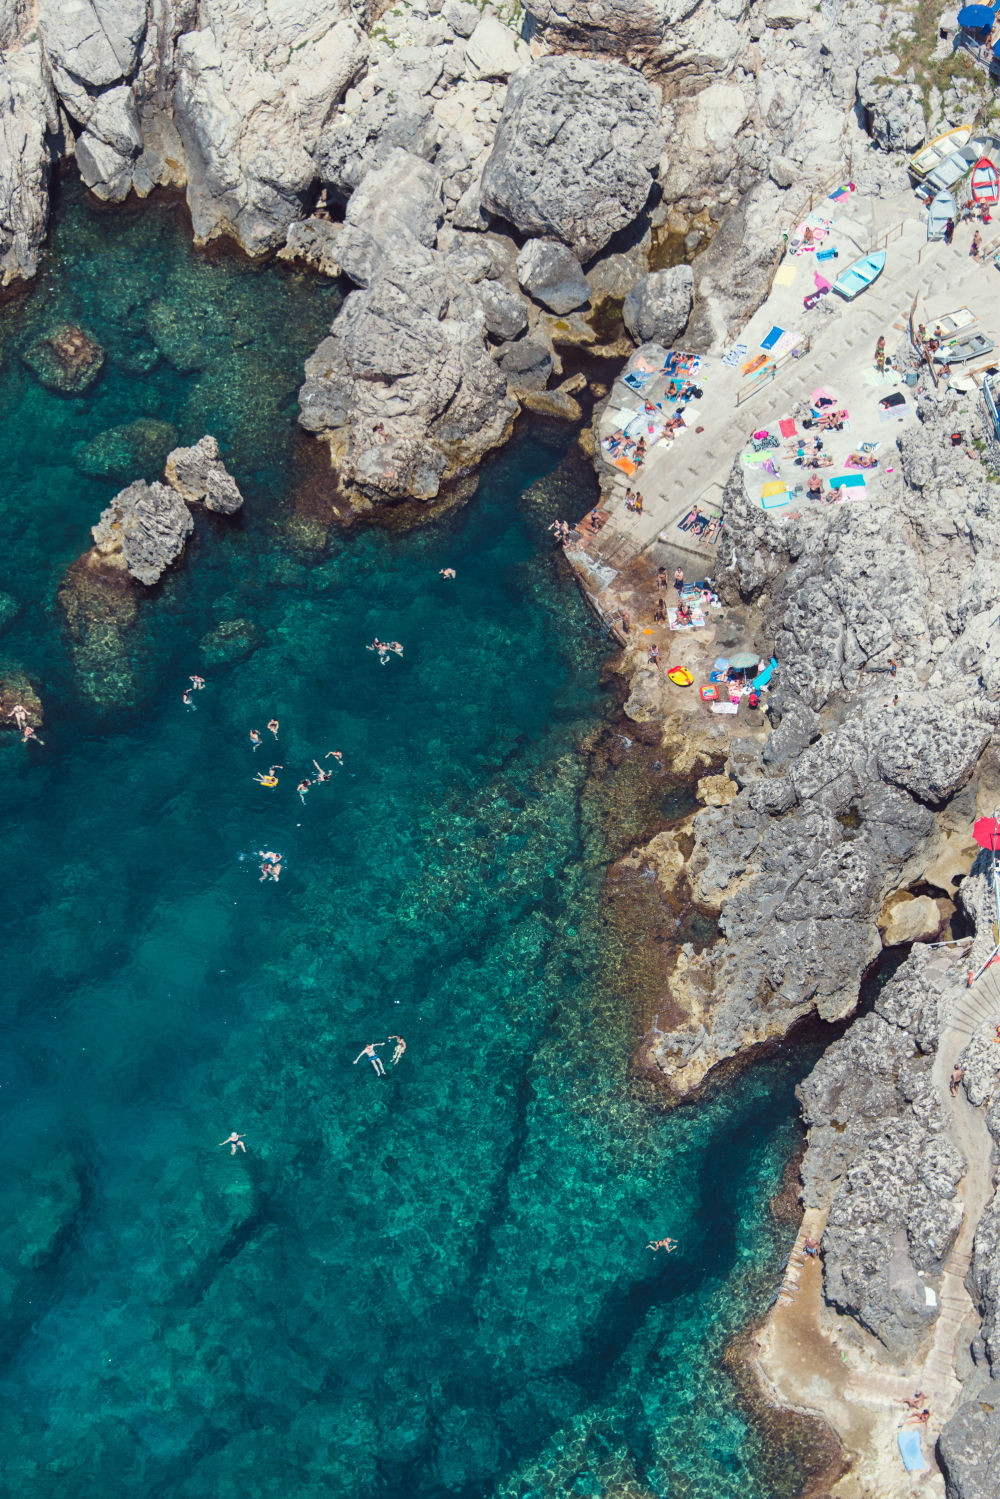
(680, 676)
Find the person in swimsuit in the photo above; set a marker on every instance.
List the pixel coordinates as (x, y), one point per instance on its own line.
(302, 788)
(370, 1052)
(400, 1048)
(28, 733)
(337, 755)
(235, 1143)
(255, 738)
(321, 774)
(270, 779)
(186, 698)
(449, 572)
(18, 713)
(197, 683)
(668, 1244)
(272, 724)
(654, 656)
(661, 612)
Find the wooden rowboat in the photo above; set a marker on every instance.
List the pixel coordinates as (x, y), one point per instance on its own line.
(985, 182)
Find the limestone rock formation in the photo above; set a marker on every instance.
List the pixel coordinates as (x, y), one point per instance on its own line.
(551, 273)
(505, 312)
(250, 103)
(198, 474)
(28, 116)
(657, 308)
(404, 389)
(969, 1446)
(494, 50)
(313, 240)
(575, 151)
(395, 206)
(147, 525)
(879, 1158)
(629, 29)
(835, 808)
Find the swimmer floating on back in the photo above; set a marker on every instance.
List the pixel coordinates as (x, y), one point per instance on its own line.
(668, 1244)
(272, 724)
(235, 1143)
(370, 1052)
(400, 1048)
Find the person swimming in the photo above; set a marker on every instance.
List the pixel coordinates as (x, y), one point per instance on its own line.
(255, 738)
(270, 779)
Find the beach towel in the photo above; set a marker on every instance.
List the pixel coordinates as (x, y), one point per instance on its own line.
(787, 427)
(785, 275)
(776, 500)
(724, 708)
(721, 663)
(626, 465)
(847, 481)
(636, 379)
(735, 355)
(842, 192)
(753, 459)
(897, 414)
(822, 284)
(896, 399)
(821, 394)
(642, 364)
(696, 621)
(772, 338)
(911, 1451)
(786, 343)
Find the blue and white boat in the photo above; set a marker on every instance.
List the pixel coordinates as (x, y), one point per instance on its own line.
(852, 282)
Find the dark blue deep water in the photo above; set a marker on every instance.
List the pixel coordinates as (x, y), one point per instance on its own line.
(433, 1283)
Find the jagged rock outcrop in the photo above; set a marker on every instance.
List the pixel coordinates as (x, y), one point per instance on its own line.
(198, 474)
(396, 205)
(146, 526)
(404, 389)
(575, 151)
(880, 1160)
(552, 275)
(835, 808)
(657, 308)
(969, 1446)
(250, 104)
(28, 121)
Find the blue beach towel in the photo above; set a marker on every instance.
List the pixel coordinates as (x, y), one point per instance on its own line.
(636, 379)
(847, 481)
(911, 1451)
(772, 338)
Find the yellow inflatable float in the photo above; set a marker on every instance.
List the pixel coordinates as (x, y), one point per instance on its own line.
(680, 675)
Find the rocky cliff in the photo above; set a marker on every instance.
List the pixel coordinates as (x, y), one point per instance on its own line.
(351, 134)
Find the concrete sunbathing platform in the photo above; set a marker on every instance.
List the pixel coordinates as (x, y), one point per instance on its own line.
(692, 470)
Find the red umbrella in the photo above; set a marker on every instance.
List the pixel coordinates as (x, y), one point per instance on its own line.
(987, 833)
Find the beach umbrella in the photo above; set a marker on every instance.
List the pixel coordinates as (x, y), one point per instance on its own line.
(743, 660)
(987, 833)
(975, 17)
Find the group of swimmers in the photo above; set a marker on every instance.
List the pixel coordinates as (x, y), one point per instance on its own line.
(371, 1052)
(384, 647)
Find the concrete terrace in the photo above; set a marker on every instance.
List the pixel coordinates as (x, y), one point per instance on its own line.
(693, 469)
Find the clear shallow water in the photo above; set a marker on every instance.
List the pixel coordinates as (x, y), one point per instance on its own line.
(430, 1284)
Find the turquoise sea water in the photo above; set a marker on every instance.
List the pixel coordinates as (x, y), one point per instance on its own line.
(433, 1283)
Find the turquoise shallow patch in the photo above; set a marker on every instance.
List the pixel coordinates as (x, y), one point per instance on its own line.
(433, 1283)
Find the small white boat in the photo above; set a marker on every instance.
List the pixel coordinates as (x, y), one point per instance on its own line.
(940, 211)
(852, 282)
(952, 324)
(935, 151)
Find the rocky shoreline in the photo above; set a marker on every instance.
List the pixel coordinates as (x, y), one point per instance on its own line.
(497, 185)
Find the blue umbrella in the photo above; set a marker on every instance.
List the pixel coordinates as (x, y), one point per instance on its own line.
(976, 17)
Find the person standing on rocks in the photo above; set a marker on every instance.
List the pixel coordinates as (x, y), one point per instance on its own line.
(679, 581)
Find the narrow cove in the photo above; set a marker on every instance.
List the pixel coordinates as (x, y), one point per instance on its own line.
(433, 1283)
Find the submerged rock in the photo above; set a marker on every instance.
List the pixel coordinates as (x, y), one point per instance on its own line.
(10, 608)
(231, 640)
(147, 526)
(68, 359)
(575, 151)
(199, 474)
(99, 602)
(119, 451)
(177, 334)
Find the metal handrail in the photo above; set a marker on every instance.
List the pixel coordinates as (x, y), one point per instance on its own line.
(770, 370)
